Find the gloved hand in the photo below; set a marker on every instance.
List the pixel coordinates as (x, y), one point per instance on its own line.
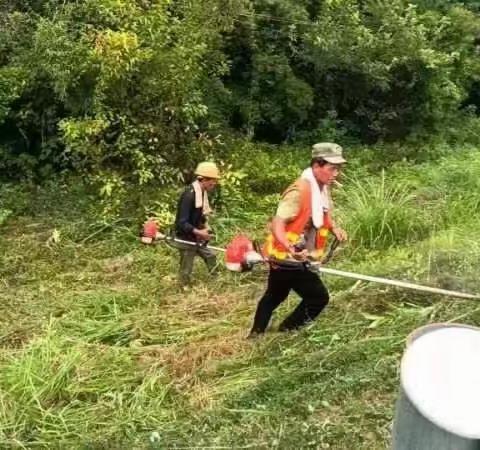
(301, 255)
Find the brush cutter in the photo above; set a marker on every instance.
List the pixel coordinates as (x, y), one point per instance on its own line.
(241, 255)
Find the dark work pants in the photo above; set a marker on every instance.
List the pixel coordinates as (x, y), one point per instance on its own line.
(187, 257)
(306, 284)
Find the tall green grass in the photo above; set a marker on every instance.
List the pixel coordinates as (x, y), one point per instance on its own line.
(57, 390)
(379, 213)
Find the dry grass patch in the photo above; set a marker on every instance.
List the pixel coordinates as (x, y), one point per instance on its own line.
(186, 360)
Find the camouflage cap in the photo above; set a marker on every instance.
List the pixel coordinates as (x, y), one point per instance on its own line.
(332, 153)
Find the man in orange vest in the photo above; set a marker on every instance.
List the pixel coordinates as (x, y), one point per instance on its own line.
(299, 233)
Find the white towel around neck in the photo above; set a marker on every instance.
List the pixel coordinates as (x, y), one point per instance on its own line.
(320, 198)
(201, 198)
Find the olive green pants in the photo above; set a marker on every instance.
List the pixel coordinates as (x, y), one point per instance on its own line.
(187, 258)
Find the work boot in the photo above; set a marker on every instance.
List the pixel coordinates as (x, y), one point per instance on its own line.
(254, 335)
(185, 288)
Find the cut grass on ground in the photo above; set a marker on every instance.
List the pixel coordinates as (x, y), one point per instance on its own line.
(99, 349)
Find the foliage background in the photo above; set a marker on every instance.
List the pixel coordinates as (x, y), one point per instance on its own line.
(137, 91)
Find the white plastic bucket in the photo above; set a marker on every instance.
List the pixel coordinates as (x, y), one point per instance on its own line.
(439, 402)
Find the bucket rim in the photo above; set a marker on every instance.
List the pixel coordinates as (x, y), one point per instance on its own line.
(424, 329)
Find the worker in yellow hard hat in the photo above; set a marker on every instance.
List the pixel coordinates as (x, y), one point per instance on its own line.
(191, 220)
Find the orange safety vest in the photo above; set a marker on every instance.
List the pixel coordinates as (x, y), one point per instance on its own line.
(296, 228)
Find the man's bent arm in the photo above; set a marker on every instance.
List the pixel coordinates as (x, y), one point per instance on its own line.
(279, 232)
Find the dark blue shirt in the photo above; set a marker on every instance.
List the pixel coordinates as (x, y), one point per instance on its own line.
(188, 217)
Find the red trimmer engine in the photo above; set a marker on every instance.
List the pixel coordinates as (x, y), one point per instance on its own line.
(149, 232)
(240, 255)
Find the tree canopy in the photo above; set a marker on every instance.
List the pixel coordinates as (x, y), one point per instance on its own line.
(134, 89)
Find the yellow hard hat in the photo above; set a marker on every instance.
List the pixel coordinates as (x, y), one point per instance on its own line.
(208, 170)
